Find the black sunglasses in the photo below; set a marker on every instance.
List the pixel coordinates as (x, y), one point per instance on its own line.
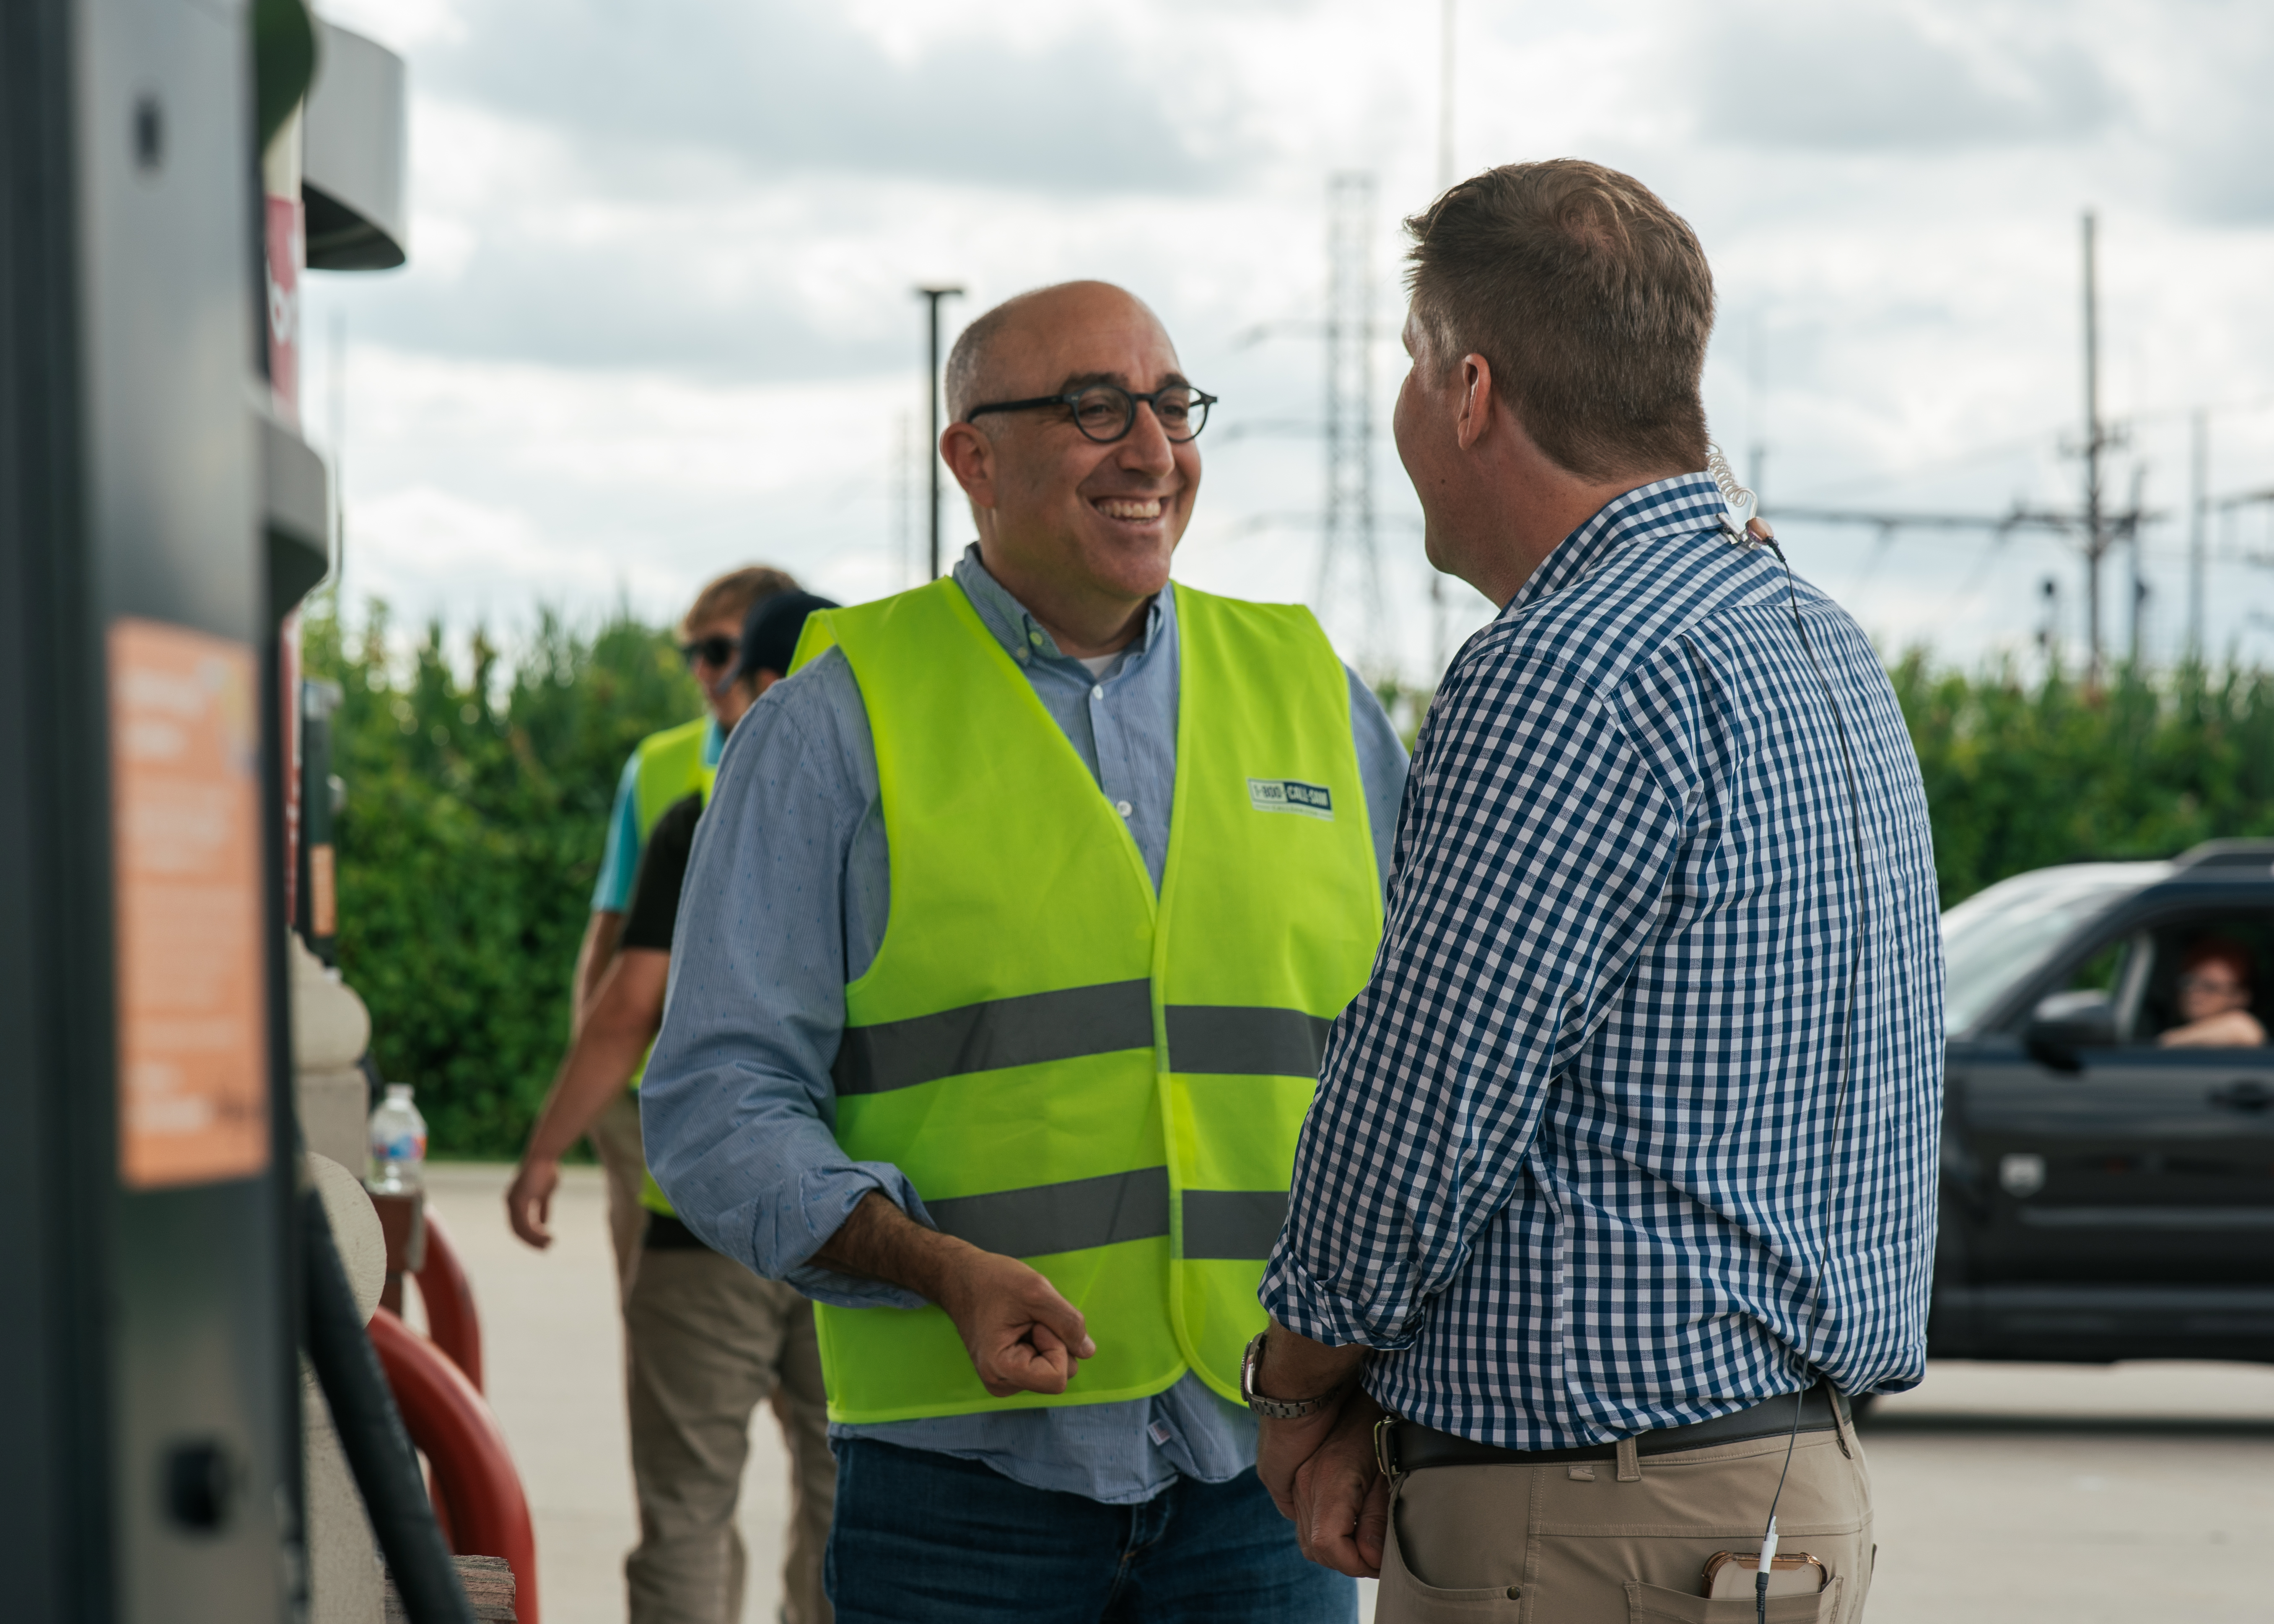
(716, 649)
(1105, 412)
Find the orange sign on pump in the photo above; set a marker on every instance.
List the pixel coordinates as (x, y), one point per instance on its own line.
(185, 816)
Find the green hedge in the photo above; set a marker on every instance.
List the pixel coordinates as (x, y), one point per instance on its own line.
(2020, 774)
(478, 799)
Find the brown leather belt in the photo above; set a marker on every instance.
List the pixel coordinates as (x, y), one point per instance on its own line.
(1405, 1445)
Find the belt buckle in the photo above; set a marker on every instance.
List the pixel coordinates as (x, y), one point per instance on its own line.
(1385, 1446)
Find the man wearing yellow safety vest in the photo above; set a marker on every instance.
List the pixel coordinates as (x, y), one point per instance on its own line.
(664, 767)
(1006, 953)
(705, 1342)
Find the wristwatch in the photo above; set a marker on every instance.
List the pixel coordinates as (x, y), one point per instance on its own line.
(1276, 1409)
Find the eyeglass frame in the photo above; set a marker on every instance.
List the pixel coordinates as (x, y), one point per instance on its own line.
(1202, 398)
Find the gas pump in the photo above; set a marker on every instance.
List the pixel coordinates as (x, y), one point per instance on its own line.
(161, 1263)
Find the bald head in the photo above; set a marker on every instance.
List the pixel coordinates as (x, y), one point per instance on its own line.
(1079, 530)
(998, 356)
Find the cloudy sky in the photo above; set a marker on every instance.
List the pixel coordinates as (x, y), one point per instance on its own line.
(657, 319)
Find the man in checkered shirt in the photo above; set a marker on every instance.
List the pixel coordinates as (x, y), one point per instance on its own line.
(1620, 1179)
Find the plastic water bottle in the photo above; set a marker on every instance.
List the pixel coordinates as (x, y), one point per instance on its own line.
(398, 1144)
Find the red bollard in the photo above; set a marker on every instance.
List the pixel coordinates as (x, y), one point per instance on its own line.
(449, 1299)
(484, 1507)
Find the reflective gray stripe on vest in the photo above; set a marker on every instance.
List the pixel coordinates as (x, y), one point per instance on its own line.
(1002, 1031)
(1068, 1217)
(1241, 1224)
(1241, 1038)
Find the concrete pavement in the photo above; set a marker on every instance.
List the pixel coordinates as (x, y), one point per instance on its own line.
(2005, 1494)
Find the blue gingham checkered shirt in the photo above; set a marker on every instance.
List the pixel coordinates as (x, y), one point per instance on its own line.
(1635, 1122)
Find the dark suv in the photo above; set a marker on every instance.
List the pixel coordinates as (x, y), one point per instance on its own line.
(2107, 1194)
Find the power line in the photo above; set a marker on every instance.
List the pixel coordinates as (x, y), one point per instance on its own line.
(2095, 529)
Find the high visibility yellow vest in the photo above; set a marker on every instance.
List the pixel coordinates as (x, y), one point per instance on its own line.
(1070, 1071)
(671, 768)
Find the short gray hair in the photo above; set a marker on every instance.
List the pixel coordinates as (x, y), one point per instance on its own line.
(966, 362)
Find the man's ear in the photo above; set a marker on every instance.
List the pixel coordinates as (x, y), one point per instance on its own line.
(1479, 407)
(971, 457)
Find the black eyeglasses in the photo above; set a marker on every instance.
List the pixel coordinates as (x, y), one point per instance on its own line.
(1105, 412)
(716, 649)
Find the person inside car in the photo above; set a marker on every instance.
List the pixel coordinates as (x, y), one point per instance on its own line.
(2215, 999)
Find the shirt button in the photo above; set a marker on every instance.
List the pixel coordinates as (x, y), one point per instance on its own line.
(1098, 692)
(1036, 638)
(1122, 807)
(1022, 653)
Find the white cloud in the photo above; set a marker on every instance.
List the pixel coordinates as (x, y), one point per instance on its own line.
(664, 341)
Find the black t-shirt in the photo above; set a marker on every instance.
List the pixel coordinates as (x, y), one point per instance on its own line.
(662, 871)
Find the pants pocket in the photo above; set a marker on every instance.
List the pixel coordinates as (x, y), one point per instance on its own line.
(1648, 1603)
(1405, 1600)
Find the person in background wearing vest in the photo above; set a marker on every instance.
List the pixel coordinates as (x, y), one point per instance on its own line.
(705, 1340)
(664, 767)
(1008, 949)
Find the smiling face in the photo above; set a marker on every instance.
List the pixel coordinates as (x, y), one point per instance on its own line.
(1063, 521)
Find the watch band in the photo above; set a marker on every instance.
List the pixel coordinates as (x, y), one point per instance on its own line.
(1276, 1409)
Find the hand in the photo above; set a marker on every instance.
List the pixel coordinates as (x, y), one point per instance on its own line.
(1322, 1476)
(1022, 1336)
(528, 1200)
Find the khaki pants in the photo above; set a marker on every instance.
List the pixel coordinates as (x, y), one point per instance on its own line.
(615, 1138)
(1624, 1542)
(705, 1344)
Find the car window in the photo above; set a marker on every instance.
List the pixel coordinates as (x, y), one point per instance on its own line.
(1997, 937)
(2206, 981)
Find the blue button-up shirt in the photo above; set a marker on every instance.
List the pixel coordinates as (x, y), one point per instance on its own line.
(787, 894)
(1635, 1122)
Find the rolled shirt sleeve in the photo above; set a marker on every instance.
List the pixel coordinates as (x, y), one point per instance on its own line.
(737, 1107)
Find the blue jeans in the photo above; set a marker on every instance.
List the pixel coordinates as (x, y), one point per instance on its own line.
(922, 1537)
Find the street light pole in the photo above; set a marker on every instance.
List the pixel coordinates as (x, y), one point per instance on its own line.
(2095, 538)
(932, 296)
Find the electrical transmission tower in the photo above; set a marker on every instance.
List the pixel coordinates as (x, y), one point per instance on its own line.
(2093, 527)
(1348, 546)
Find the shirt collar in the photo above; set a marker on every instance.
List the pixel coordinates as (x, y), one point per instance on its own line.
(1022, 635)
(1680, 505)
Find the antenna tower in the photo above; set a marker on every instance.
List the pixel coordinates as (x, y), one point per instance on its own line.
(1349, 542)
